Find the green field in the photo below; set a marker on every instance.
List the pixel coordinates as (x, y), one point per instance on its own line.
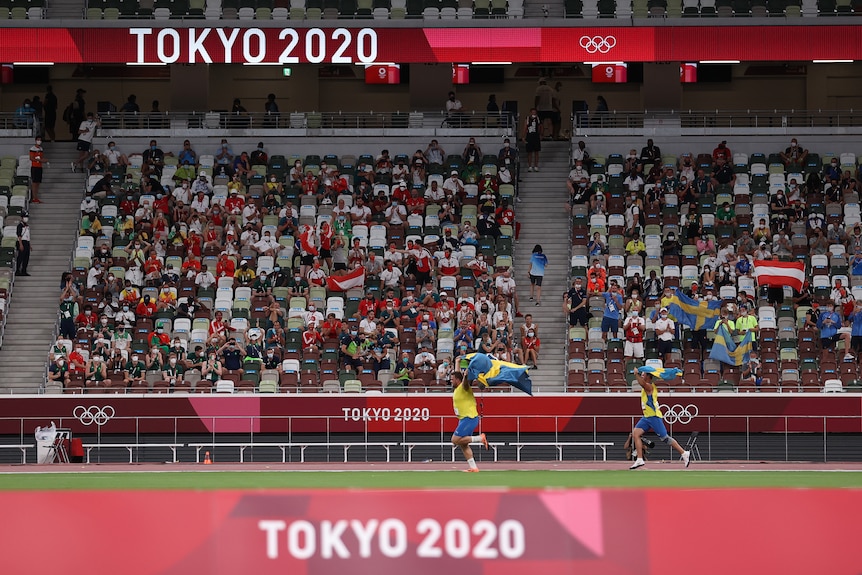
(428, 479)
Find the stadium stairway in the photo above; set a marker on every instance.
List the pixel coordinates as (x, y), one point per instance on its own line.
(33, 309)
(544, 221)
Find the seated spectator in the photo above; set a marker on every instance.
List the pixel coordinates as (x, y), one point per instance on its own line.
(597, 277)
(745, 244)
(425, 360)
(636, 246)
(435, 154)
(726, 215)
(530, 344)
(722, 151)
(723, 174)
(596, 246)
(794, 156)
(634, 328)
(817, 244)
(650, 154)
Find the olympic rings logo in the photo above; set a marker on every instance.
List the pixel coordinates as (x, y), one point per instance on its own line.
(682, 414)
(94, 414)
(600, 44)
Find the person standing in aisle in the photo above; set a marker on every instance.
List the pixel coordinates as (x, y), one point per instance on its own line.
(37, 158)
(538, 263)
(533, 140)
(23, 246)
(86, 133)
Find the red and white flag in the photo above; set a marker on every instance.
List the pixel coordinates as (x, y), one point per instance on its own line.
(779, 274)
(306, 241)
(355, 279)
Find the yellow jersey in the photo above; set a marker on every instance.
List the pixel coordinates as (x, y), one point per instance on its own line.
(464, 402)
(649, 402)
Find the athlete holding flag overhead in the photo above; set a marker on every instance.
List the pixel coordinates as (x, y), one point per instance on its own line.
(464, 403)
(652, 418)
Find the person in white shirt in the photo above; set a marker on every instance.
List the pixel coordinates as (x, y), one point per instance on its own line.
(250, 215)
(391, 276)
(249, 236)
(425, 360)
(115, 156)
(183, 193)
(86, 133)
(360, 213)
(202, 184)
(205, 278)
(454, 184)
(578, 172)
(267, 246)
(89, 205)
(434, 194)
(395, 214)
(316, 275)
(340, 208)
(505, 284)
(94, 276)
(435, 153)
(633, 182)
(393, 255)
(368, 325)
(665, 331)
(125, 317)
(313, 316)
(504, 176)
(634, 328)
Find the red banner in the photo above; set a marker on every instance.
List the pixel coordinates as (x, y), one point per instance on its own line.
(286, 46)
(502, 532)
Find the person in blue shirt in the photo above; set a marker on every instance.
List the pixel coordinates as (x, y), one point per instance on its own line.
(855, 320)
(743, 266)
(828, 324)
(538, 263)
(613, 305)
(856, 264)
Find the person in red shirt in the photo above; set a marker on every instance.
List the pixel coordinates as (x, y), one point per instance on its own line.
(378, 207)
(339, 184)
(505, 216)
(448, 266)
(153, 268)
(722, 151)
(225, 266)
(309, 184)
(311, 339)
(146, 308)
(415, 203)
(531, 344)
(366, 305)
(129, 206)
(400, 193)
(325, 236)
(234, 204)
(332, 327)
(193, 243)
(77, 364)
(161, 204)
(192, 264)
(86, 319)
(218, 330)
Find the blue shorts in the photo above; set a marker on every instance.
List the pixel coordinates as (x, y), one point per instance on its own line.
(654, 423)
(466, 426)
(610, 324)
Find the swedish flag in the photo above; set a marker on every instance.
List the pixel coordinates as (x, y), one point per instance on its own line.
(691, 313)
(491, 371)
(726, 351)
(665, 373)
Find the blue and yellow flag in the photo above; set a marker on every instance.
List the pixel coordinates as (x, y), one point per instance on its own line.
(665, 373)
(691, 313)
(726, 351)
(489, 371)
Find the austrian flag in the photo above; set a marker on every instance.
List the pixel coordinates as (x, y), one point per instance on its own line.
(773, 273)
(355, 279)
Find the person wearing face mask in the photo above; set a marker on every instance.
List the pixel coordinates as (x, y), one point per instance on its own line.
(634, 328)
(23, 244)
(665, 330)
(96, 372)
(531, 136)
(212, 369)
(37, 160)
(172, 371)
(86, 319)
(575, 304)
(349, 347)
(59, 371)
(794, 156)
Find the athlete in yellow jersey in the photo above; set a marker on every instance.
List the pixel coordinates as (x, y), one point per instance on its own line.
(464, 404)
(652, 420)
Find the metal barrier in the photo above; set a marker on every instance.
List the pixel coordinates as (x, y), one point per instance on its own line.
(305, 123)
(695, 122)
(752, 437)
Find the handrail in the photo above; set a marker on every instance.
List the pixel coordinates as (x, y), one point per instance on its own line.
(221, 120)
(524, 425)
(691, 119)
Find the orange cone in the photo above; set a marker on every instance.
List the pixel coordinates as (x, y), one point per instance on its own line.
(207, 460)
